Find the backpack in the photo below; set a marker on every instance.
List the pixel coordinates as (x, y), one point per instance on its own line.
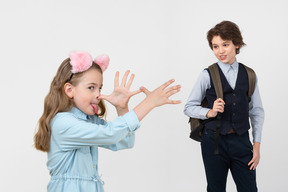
(197, 125)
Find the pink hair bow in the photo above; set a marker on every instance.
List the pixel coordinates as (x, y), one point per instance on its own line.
(82, 61)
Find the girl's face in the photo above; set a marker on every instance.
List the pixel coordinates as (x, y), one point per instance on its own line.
(224, 50)
(86, 93)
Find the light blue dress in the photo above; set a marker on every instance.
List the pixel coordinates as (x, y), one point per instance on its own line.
(73, 156)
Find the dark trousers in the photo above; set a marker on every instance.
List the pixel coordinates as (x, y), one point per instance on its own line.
(235, 152)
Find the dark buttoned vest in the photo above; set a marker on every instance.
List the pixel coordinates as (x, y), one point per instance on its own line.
(236, 110)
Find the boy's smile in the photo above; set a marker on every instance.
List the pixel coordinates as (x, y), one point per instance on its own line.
(224, 50)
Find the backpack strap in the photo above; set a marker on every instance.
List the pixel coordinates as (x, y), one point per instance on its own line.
(215, 76)
(251, 79)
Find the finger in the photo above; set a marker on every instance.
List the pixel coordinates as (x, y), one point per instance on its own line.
(250, 162)
(167, 84)
(218, 109)
(219, 100)
(116, 80)
(144, 90)
(125, 78)
(253, 166)
(219, 105)
(172, 92)
(136, 92)
(176, 87)
(174, 101)
(130, 81)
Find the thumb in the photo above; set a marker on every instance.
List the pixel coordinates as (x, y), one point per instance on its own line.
(105, 97)
(252, 161)
(144, 90)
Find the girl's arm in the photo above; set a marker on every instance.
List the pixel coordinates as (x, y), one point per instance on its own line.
(121, 96)
(156, 98)
(70, 131)
(126, 143)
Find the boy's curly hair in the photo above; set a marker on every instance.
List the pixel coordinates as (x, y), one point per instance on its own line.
(227, 30)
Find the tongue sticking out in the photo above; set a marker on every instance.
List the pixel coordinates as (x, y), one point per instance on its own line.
(95, 107)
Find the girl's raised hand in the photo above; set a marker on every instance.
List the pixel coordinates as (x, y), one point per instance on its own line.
(156, 98)
(121, 93)
(160, 96)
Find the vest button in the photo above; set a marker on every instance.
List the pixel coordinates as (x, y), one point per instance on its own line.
(234, 104)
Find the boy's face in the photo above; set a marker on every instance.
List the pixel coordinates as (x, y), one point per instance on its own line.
(224, 50)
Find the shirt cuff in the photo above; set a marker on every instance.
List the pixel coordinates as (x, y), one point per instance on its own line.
(132, 120)
(203, 113)
(256, 137)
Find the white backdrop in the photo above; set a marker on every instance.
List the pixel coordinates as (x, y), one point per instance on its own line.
(157, 40)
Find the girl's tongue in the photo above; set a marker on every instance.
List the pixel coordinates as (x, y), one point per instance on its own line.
(95, 107)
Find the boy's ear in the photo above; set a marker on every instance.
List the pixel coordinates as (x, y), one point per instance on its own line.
(68, 89)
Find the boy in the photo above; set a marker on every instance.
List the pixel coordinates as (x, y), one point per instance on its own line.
(235, 149)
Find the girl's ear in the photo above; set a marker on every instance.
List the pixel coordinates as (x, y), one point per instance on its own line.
(68, 89)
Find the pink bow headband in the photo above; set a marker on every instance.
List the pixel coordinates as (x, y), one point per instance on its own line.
(82, 61)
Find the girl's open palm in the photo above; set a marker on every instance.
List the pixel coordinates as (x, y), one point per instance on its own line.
(156, 98)
(121, 93)
(160, 96)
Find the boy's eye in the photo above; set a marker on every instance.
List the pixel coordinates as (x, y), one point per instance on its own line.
(226, 45)
(215, 47)
(91, 88)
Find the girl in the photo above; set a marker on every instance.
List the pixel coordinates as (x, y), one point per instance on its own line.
(71, 128)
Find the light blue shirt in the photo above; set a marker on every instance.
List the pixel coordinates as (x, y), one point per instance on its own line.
(73, 156)
(256, 111)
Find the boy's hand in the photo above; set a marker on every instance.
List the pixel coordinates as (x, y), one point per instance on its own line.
(121, 93)
(218, 106)
(256, 156)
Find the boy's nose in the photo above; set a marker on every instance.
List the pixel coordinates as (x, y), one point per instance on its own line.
(221, 49)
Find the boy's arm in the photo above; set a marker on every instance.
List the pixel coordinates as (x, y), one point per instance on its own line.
(192, 107)
(256, 114)
(256, 156)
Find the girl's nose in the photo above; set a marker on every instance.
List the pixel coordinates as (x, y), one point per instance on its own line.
(98, 93)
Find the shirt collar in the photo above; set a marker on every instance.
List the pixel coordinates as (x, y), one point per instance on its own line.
(79, 114)
(225, 67)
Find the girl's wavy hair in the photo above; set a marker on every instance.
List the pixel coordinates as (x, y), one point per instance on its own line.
(57, 101)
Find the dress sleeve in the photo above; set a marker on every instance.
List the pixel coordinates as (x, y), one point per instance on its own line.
(126, 143)
(70, 132)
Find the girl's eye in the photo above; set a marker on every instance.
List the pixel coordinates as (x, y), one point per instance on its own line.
(226, 45)
(215, 47)
(91, 88)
